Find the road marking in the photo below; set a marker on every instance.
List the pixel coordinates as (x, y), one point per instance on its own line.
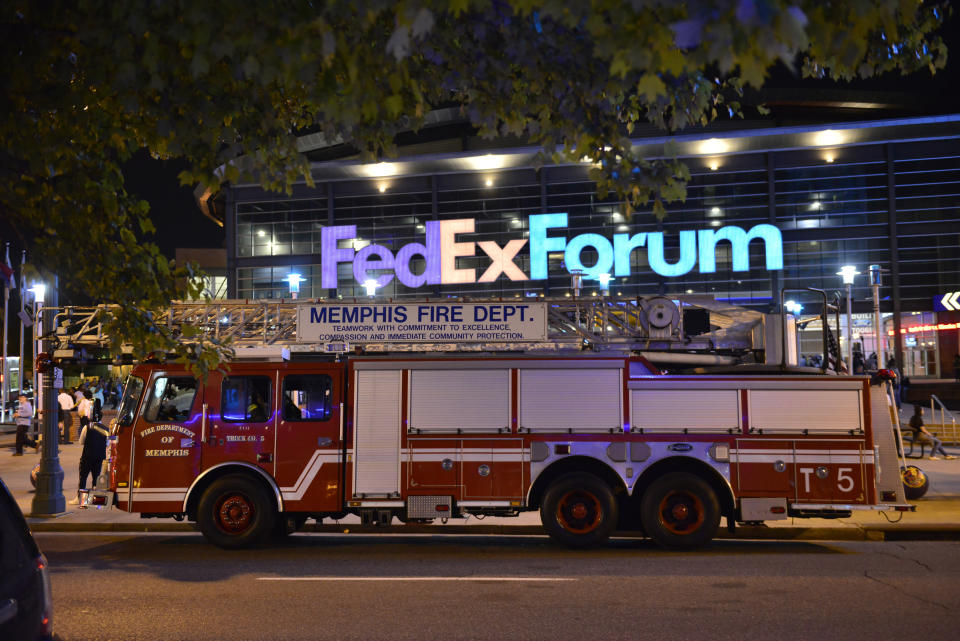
(413, 578)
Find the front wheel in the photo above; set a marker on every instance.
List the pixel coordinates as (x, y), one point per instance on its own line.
(680, 510)
(579, 510)
(236, 512)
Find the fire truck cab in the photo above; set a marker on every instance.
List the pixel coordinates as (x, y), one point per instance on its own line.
(596, 444)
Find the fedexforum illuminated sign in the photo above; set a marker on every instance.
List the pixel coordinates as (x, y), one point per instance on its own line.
(441, 250)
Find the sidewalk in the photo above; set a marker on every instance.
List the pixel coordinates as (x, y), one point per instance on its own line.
(937, 516)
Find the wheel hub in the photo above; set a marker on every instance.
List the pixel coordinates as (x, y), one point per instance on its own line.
(235, 514)
(579, 512)
(682, 512)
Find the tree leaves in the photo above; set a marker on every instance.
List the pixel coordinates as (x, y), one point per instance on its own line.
(87, 84)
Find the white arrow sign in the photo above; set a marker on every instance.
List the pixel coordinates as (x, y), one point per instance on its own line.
(949, 301)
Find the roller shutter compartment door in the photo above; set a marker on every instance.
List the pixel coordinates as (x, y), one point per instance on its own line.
(806, 411)
(685, 411)
(376, 452)
(460, 401)
(578, 400)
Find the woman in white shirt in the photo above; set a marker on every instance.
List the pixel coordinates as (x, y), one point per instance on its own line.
(85, 409)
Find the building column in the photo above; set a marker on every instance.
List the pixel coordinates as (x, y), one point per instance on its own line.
(330, 293)
(894, 259)
(230, 222)
(772, 219)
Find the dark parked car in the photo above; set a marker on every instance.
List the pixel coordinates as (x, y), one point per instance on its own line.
(26, 608)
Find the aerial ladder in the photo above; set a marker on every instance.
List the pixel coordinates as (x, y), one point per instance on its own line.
(267, 328)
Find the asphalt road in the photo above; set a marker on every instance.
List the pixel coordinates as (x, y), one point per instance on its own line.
(165, 587)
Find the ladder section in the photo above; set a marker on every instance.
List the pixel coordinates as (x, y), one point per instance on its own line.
(258, 328)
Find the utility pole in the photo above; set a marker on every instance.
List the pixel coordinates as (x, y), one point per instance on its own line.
(48, 500)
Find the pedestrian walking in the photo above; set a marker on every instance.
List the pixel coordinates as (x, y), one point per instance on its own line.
(24, 417)
(65, 401)
(93, 439)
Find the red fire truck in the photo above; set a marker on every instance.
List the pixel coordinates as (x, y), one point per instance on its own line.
(595, 443)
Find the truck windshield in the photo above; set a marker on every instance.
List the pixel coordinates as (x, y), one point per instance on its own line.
(131, 397)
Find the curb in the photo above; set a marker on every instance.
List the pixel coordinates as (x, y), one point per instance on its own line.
(930, 533)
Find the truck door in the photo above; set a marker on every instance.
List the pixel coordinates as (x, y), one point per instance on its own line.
(240, 419)
(166, 444)
(309, 440)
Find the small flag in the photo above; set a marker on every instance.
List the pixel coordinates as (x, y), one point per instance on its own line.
(6, 271)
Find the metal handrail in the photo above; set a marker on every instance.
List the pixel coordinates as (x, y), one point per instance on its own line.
(944, 411)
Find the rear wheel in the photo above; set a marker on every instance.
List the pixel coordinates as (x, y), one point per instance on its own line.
(680, 510)
(236, 512)
(579, 510)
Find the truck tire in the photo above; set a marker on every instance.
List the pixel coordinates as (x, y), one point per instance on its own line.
(915, 482)
(236, 512)
(680, 510)
(579, 510)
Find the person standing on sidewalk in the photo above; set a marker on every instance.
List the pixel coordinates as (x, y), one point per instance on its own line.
(66, 405)
(93, 439)
(98, 402)
(24, 417)
(85, 409)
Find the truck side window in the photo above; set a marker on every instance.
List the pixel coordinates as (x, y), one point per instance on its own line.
(131, 397)
(246, 399)
(170, 399)
(307, 397)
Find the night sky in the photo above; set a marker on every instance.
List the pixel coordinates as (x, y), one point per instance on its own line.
(173, 208)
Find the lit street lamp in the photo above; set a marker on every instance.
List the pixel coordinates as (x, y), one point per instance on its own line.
(294, 280)
(847, 273)
(604, 284)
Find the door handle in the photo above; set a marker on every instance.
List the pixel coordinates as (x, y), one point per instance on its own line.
(324, 441)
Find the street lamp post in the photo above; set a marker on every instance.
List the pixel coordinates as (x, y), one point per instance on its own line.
(48, 499)
(847, 273)
(605, 292)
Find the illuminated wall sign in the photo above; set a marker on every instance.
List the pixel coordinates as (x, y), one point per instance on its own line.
(441, 250)
(915, 329)
(422, 322)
